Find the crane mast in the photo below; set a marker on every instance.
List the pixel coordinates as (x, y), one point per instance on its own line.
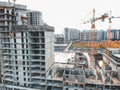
(92, 38)
(108, 39)
(92, 44)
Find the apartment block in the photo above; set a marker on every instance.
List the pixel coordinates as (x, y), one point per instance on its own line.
(71, 34)
(27, 56)
(34, 17)
(59, 38)
(27, 51)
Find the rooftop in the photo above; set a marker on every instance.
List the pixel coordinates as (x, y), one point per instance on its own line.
(97, 74)
(117, 55)
(63, 57)
(7, 4)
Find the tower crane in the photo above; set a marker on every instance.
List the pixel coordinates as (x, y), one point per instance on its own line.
(92, 44)
(92, 47)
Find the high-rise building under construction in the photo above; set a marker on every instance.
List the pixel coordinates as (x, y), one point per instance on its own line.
(26, 50)
(27, 57)
(34, 17)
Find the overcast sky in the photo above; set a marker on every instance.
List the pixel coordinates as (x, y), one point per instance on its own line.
(70, 13)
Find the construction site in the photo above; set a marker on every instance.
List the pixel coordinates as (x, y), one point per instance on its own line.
(77, 73)
(28, 60)
(89, 65)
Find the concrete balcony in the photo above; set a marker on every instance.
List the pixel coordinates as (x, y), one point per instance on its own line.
(8, 64)
(36, 48)
(5, 19)
(39, 60)
(34, 65)
(8, 67)
(6, 47)
(35, 70)
(54, 83)
(42, 66)
(38, 86)
(38, 81)
(8, 73)
(6, 53)
(33, 54)
(37, 77)
(57, 84)
(35, 43)
(8, 78)
(2, 13)
(49, 84)
(5, 42)
(36, 37)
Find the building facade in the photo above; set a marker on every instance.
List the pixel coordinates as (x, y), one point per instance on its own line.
(115, 34)
(27, 56)
(34, 18)
(10, 14)
(84, 35)
(71, 34)
(99, 35)
(27, 51)
(59, 38)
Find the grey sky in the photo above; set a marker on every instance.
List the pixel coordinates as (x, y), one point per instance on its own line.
(70, 13)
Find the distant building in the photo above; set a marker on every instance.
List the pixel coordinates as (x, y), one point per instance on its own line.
(99, 35)
(71, 34)
(59, 38)
(115, 34)
(59, 43)
(84, 35)
(34, 18)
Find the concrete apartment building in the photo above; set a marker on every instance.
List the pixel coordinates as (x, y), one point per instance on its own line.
(27, 58)
(83, 35)
(115, 34)
(71, 34)
(59, 38)
(59, 43)
(99, 35)
(26, 50)
(10, 14)
(35, 18)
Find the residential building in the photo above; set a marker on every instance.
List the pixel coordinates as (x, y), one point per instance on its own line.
(115, 34)
(59, 38)
(71, 34)
(10, 14)
(27, 58)
(84, 35)
(27, 50)
(99, 35)
(34, 17)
